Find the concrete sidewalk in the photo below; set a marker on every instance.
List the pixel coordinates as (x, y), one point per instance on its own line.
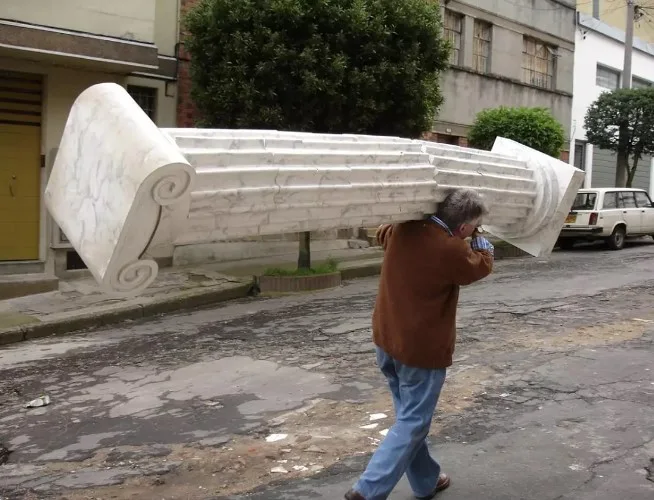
(80, 304)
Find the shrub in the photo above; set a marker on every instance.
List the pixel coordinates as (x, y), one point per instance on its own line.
(331, 66)
(533, 127)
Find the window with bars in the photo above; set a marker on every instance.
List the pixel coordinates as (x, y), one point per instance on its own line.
(481, 48)
(537, 63)
(452, 30)
(607, 78)
(146, 97)
(640, 83)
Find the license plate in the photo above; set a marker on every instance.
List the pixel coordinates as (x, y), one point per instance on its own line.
(571, 219)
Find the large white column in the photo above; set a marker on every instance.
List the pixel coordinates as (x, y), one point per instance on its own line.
(121, 187)
(588, 167)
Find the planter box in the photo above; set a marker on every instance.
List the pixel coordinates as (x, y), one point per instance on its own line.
(299, 283)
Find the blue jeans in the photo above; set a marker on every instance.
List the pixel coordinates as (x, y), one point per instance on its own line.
(404, 450)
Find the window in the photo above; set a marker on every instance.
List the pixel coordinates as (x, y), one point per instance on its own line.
(452, 30)
(642, 200)
(580, 156)
(481, 48)
(626, 199)
(640, 83)
(146, 97)
(610, 200)
(607, 78)
(584, 201)
(537, 63)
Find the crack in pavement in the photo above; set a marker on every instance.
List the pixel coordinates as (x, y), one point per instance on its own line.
(550, 356)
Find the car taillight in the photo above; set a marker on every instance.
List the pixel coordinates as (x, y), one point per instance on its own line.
(593, 219)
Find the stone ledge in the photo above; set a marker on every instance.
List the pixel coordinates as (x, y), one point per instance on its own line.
(21, 285)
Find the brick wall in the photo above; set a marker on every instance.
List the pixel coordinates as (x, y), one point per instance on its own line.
(446, 139)
(186, 110)
(565, 156)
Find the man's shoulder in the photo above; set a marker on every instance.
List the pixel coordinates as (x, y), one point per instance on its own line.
(426, 236)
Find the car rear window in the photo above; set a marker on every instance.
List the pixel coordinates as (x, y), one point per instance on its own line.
(584, 201)
(610, 200)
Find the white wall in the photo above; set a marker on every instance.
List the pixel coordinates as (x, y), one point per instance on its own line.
(606, 48)
(592, 49)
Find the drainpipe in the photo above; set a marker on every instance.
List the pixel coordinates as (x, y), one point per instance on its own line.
(596, 9)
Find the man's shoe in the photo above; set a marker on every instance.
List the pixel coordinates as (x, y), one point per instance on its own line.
(443, 484)
(353, 495)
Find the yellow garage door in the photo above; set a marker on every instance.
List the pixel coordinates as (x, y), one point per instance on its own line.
(20, 162)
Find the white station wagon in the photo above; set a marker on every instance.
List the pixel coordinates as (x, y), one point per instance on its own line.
(609, 214)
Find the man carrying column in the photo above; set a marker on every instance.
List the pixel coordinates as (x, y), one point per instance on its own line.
(414, 329)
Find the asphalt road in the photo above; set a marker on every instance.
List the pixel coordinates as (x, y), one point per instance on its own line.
(550, 397)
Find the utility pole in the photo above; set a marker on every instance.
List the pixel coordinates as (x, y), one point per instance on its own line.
(628, 44)
(621, 167)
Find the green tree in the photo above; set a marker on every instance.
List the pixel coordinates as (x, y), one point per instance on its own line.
(622, 121)
(331, 66)
(533, 127)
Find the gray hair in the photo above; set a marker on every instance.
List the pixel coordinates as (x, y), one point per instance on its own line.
(462, 206)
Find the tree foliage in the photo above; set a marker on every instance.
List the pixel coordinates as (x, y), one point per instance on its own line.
(533, 127)
(335, 66)
(622, 121)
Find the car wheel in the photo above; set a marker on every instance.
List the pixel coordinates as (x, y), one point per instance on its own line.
(617, 238)
(567, 243)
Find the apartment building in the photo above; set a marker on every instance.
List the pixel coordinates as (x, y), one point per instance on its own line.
(49, 53)
(599, 59)
(505, 53)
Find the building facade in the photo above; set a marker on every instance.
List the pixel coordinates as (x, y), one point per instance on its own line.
(599, 59)
(505, 53)
(49, 53)
(614, 13)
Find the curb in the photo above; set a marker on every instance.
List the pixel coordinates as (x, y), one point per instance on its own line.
(291, 284)
(118, 313)
(363, 271)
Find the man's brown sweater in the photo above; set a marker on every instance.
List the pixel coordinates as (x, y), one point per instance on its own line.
(415, 314)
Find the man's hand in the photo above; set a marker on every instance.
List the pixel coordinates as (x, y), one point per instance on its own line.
(383, 234)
